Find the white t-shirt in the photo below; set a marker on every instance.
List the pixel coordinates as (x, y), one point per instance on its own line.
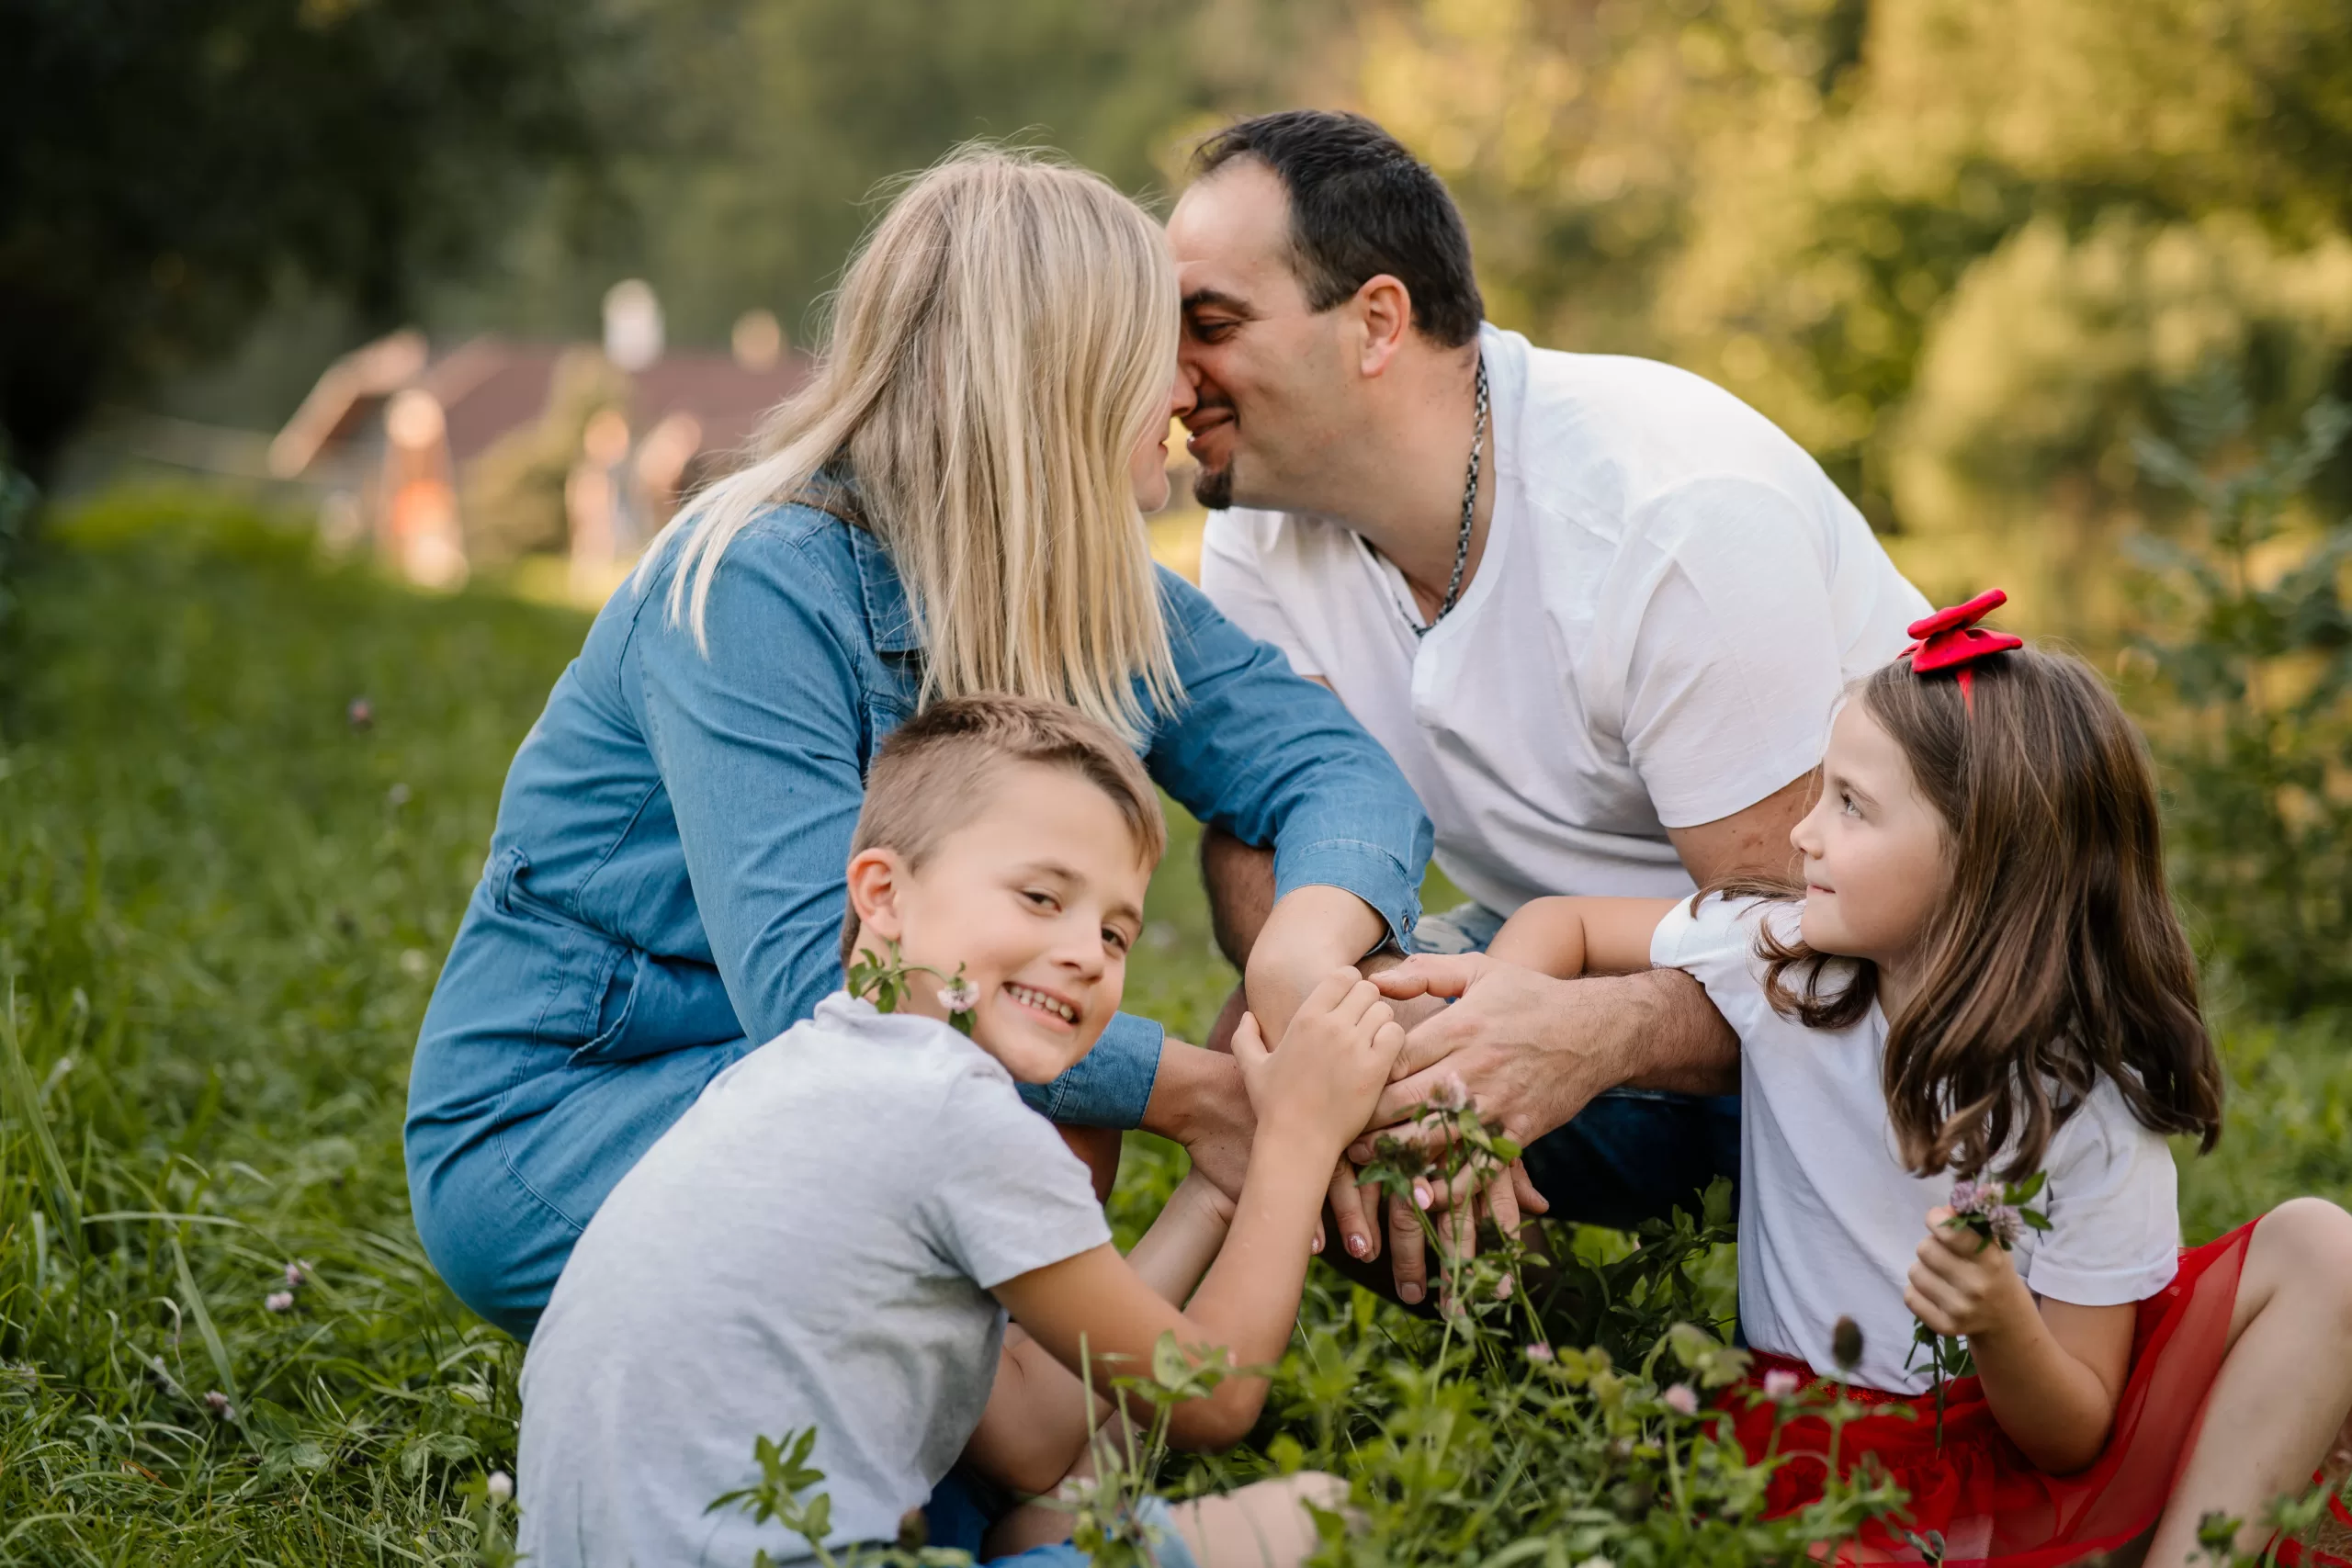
(1672, 596)
(814, 1242)
(1830, 1220)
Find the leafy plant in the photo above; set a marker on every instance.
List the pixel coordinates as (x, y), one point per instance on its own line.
(2253, 721)
(785, 1475)
(1998, 1213)
(885, 982)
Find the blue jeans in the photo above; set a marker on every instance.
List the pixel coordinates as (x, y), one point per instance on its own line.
(958, 1517)
(1633, 1154)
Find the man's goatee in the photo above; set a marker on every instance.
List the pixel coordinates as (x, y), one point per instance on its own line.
(1212, 487)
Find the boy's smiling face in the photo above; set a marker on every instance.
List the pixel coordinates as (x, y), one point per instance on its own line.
(1039, 896)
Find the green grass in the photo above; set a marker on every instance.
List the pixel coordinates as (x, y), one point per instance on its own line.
(222, 908)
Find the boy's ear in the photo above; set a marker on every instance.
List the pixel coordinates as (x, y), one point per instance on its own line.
(877, 877)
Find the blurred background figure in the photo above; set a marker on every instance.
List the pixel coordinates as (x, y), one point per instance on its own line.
(573, 450)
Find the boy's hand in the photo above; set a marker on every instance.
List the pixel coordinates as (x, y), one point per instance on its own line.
(1319, 1088)
(1963, 1284)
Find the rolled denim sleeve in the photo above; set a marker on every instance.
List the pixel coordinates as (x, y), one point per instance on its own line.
(1274, 759)
(1108, 1086)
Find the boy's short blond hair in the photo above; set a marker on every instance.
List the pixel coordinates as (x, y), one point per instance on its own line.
(934, 772)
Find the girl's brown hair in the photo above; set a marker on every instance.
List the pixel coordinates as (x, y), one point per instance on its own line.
(2056, 958)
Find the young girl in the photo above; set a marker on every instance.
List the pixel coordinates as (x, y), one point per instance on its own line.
(1980, 976)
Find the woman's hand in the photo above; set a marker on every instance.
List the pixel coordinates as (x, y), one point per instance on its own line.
(1963, 1285)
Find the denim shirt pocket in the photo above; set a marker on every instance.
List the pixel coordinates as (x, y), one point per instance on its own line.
(888, 704)
(651, 1005)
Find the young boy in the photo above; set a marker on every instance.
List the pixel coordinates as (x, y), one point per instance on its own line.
(835, 1234)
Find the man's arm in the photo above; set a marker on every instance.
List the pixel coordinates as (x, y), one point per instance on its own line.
(1535, 1051)
(1752, 843)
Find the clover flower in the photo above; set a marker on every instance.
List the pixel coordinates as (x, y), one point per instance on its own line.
(1538, 1352)
(1846, 1344)
(1975, 1197)
(297, 1274)
(217, 1403)
(1449, 1095)
(1780, 1383)
(278, 1301)
(959, 996)
(2007, 1222)
(500, 1485)
(1682, 1399)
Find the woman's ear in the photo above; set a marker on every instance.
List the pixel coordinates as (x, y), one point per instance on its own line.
(876, 879)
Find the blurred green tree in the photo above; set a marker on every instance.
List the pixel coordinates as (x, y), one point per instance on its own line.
(2250, 644)
(164, 163)
(765, 133)
(1955, 247)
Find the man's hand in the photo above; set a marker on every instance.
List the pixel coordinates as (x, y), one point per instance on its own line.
(1508, 1039)
(1532, 1051)
(1963, 1284)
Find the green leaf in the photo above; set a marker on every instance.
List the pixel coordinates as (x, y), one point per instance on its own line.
(1169, 1367)
(28, 1107)
(193, 1299)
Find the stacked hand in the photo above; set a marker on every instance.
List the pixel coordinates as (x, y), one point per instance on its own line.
(1334, 1062)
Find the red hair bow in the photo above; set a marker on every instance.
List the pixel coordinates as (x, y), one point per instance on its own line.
(1950, 639)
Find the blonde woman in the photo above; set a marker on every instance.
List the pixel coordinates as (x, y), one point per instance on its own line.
(953, 505)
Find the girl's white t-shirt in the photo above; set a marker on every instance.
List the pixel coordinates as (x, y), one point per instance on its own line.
(1830, 1220)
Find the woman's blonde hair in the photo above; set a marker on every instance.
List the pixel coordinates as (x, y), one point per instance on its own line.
(1001, 343)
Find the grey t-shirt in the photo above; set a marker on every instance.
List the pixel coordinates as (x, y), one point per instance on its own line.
(814, 1242)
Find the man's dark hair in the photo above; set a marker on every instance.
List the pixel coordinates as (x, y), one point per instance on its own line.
(1360, 206)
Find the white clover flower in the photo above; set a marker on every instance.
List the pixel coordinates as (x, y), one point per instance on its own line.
(278, 1301)
(501, 1485)
(1451, 1094)
(297, 1274)
(1682, 1399)
(1538, 1352)
(217, 1403)
(1975, 1197)
(2007, 1225)
(959, 996)
(1780, 1382)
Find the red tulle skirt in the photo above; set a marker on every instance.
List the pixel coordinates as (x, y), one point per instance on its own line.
(1984, 1496)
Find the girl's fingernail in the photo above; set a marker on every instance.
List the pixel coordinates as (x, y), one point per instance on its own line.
(1421, 1198)
(1358, 1246)
(1317, 1246)
(1410, 1294)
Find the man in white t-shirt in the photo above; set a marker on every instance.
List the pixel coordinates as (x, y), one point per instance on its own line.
(1604, 648)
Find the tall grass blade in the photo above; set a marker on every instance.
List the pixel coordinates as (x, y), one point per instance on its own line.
(193, 1299)
(27, 1101)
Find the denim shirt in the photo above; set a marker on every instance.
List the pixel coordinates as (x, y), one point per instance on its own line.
(697, 809)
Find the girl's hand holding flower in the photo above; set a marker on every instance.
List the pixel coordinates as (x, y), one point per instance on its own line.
(1964, 1284)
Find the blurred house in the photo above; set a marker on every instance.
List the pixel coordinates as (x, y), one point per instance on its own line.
(493, 449)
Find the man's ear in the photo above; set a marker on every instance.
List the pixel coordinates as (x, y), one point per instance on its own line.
(1384, 309)
(876, 879)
